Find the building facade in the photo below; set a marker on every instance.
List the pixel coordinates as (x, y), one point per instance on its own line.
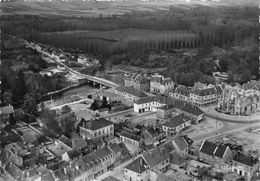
(161, 85)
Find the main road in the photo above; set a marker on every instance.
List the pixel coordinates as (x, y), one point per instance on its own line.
(228, 127)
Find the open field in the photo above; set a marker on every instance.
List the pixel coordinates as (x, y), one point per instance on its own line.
(94, 9)
(249, 140)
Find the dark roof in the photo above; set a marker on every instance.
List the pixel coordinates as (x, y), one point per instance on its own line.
(183, 90)
(205, 92)
(79, 143)
(66, 141)
(110, 178)
(130, 136)
(132, 91)
(156, 156)
(102, 153)
(208, 147)
(160, 79)
(154, 131)
(245, 159)
(95, 124)
(135, 77)
(219, 89)
(160, 99)
(213, 149)
(180, 142)
(138, 165)
(124, 149)
(176, 121)
(220, 151)
(115, 148)
(90, 160)
(6, 110)
(187, 107)
(73, 154)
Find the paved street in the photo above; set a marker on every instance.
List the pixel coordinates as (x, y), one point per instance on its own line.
(227, 128)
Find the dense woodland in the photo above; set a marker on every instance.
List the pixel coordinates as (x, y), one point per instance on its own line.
(131, 38)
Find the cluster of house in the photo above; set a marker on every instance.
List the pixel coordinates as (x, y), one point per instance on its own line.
(241, 100)
(27, 154)
(156, 163)
(229, 99)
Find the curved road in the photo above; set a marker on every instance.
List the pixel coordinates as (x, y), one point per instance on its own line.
(229, 126)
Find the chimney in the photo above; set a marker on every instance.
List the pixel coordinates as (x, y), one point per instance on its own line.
(141, 161)
(65, 170)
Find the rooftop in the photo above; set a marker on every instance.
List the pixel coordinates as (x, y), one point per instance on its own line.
(245, 159)
(132, 91)
(213, 149)
(110, 178)
(180, 142)
(156, 156)
(176, 121)
(6, 110)
(138, 165)
(130, 136)
(95, 124)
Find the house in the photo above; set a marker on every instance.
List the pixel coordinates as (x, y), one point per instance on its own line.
(96, 128)
(131, 138)
(5, 113)
(181, 93)
(153, 136)
(245, 165)
(181, 146)
(158, 159)
(137, 81)
(176, 124)
(213, 153)
(130, 93)
(137, 170)
(161, 85)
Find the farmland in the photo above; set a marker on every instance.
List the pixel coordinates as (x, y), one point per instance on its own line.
(94, 9)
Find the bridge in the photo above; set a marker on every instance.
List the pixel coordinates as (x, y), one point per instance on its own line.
(56, 59)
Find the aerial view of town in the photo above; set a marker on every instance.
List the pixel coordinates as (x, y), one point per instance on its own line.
(129, 90)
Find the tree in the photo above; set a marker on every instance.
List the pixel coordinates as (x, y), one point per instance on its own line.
(94, 105)
(67, 123)
(65, 109)
(12, 120)
(7, 97)
(30, 105)
(50, 120)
